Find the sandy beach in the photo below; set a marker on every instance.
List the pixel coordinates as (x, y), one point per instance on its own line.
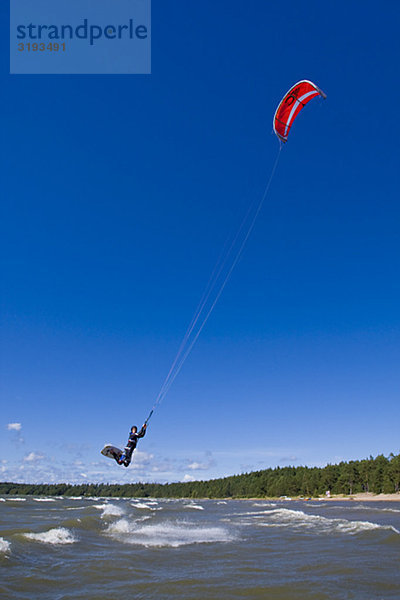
(363, 497)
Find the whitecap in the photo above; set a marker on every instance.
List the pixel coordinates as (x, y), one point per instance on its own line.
(142, 505)
(196, 506)
(297, 519)
(5, 546)
(16, 499)
(370, 508)
(146, 505)
(110, 510)
(167, 534)
(44, 499)
(57, 536)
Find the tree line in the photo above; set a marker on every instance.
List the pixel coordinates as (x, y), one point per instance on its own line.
(376, 475)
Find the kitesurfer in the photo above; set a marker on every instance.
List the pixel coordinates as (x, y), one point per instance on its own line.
(134, 436)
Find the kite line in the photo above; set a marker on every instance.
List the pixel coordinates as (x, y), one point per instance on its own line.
(289, 107)
(220, 276)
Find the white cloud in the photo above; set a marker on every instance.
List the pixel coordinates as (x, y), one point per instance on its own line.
(33, 457)
(14, 426)
(188, 478)
(205, 465)
(196, 466)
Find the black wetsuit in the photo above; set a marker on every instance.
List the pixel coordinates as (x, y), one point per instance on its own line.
(131, 445)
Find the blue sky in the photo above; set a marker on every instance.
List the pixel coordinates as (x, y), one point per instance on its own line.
(118, 194)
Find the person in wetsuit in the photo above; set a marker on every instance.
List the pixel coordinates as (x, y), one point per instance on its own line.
(134, 436)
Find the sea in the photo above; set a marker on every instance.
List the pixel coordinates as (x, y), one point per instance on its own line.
(121, 549)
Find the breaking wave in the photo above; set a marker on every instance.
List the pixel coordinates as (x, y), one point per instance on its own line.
(109, 510)
(44, 499)
(167, 534)
(57, 536)
(297, 519)
(195, 506)
(5, 546)
(142, 505)
(373, 508)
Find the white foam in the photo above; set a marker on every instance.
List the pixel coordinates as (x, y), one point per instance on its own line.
(222, 502)
(110, 510)
(44, 499)
(371, 508)
(16, 499)
(120, 526)
(57, 536)
(297, 519)
(167, 534)
(146, 505)
(2, 499)
(5, 546)
(196, 506)
(142, 505)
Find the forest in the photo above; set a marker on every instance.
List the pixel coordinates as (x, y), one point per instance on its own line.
(376, 475)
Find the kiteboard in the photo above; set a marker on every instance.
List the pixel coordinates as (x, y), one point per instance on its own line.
(112, 452)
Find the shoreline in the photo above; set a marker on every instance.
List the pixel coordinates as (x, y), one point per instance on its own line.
(366, 497)
(360, 497)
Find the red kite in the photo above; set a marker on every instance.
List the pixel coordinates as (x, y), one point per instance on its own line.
(291, 104)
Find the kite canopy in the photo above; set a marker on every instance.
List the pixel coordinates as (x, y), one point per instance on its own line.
(291, 104)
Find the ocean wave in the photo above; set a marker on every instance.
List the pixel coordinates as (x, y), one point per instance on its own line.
(5, 546)
(16, 499)
(44, 500)
(146, 505)
(57, 536)
(195, 506)
(2, 499)
(371, 508)
(142, 505)
(297, 519)
(167, 534)
(110, 510)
